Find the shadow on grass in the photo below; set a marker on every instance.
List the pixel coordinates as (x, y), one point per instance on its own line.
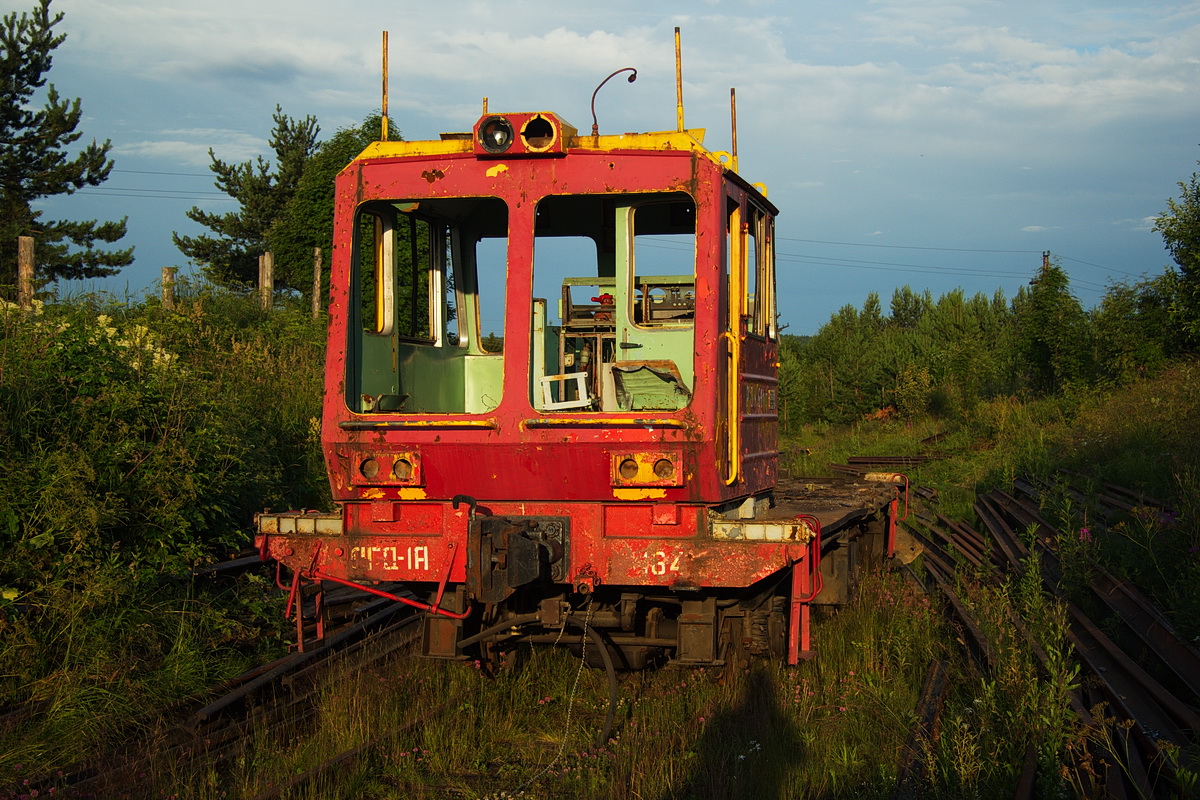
(746, 749)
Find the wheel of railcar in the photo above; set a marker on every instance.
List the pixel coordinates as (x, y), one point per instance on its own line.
(768, 627)
(491, 652)
(733, 645)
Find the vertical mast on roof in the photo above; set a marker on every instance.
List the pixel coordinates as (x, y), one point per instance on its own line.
(383, 134)
(733, 126)
(678, 83)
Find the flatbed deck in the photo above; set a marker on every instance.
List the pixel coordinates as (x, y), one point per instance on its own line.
(837, 503)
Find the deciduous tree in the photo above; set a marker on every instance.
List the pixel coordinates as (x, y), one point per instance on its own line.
(1179, 226)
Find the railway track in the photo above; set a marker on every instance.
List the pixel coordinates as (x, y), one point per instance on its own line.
(286, 700)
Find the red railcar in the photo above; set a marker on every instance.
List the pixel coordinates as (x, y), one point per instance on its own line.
(552, 395)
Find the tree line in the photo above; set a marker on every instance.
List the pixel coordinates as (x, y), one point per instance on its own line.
(946, 355)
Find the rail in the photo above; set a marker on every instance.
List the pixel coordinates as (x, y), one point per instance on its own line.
(1149, 716)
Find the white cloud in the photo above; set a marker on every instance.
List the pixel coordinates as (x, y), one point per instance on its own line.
(190, 147)
(1000, 45)
(1145, 224)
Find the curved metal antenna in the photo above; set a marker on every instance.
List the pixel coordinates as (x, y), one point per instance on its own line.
(632, 78)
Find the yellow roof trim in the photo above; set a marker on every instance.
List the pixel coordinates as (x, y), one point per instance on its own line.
(691, 139)
(437, 147)
(657, 140)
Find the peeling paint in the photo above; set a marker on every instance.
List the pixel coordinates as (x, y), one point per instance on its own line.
(496, 170)
(639, 494)
(413, 493)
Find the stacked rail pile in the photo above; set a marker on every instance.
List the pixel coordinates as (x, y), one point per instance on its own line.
(1152, 718)
(862, 465)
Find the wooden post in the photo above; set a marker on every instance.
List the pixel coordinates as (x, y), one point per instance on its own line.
(25, 272)
(266, 279)
(316, 298)
(168, 287)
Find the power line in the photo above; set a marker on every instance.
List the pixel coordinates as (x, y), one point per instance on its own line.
(152, 172)
(908, 247)
(1097, 266)
(155, 191)
(884, 266)
(159, 194)
(896, 266)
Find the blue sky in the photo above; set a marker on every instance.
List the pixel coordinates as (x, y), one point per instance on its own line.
(937, 144)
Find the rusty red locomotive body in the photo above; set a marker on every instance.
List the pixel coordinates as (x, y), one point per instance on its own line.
(552, 383)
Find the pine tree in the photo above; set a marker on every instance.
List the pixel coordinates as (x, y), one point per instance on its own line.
(1053, 337)
(34, 163)
(307, 219)
(263, 190)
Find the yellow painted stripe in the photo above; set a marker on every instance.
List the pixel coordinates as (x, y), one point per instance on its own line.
(611, 422)
(389, 424)
(639, 494)
(692, 139)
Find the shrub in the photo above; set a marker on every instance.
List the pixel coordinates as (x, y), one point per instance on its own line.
(132, 434)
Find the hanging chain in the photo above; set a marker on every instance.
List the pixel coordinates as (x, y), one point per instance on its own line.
(587, 620)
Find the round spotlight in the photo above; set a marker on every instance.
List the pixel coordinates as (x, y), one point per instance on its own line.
(369, 468)
(628, 469)
(538, 133)
(496, 134)
(402, 469)
(664, 469)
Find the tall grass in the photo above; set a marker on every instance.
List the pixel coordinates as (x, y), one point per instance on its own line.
(1146, 437)
(815, 446)
(832, 727)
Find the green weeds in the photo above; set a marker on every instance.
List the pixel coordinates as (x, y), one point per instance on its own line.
(977, 755)
(144, 438)
(135, 444)
(831, 727)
